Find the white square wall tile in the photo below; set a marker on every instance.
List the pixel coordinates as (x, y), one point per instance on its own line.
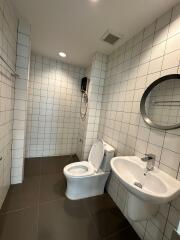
(18, 134)
(156, 137)
(18, 162)
(19, 115)
(153, 231)
(133, 130)
(23, 51)
(21, 84)
(139, 228)
(172, 142)
(176, 203)
(18, 144)
(17, 154)
(16, 179)
(22, 62)
(121, 197)
(170, 159)
(19, 125)
(168, 230)
(171, 60)
(16, 172)
(140, 82)
(23, 39)
(174, 217)
(158, 50)
(143, 133)
(173, 43)
(168, 170)
(159, 221)
(155, 65)
(20, 105)
(141, 146)
(143, 69)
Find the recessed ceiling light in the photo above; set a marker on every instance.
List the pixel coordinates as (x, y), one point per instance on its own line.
(62, 54)
(94, 1)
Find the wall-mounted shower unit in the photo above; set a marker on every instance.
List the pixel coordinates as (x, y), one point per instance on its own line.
(84, 97)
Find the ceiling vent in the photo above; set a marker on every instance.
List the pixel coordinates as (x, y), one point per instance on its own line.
(110, 37)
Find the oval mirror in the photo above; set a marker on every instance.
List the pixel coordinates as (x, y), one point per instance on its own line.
(160, 103)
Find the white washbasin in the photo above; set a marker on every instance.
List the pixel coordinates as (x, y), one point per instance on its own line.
(157, 186)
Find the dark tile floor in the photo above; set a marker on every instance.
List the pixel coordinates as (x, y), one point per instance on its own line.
(39, 210)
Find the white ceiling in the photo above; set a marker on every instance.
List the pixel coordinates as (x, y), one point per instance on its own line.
(76, 26)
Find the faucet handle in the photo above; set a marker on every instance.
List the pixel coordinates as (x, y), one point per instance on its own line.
(150, 159)
(150, 155)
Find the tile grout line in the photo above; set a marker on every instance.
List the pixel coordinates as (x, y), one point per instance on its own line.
(38, 203)
(14, 211)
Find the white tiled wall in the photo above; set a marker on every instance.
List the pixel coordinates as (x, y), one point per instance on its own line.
(96, 74)
(8, 36)
(53, 108)
(21, 96)
(152, 53)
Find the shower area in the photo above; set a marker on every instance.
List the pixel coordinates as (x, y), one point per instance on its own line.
(53, 116)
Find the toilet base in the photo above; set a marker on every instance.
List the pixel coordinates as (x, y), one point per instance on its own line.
(84, 187)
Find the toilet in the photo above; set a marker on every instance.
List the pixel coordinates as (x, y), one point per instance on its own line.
(88, 178)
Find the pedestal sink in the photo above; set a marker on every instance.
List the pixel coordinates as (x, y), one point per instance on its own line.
(146, 191)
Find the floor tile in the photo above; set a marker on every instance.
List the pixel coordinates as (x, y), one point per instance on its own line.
(20, 225)
(99, 203)
(22, 195)
(109, 221)
(107, 216)
(32, 166)
(127, 234)
(67, 220)
(55, 165)
(52, 187)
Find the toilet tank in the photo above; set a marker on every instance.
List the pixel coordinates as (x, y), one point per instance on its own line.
(108, 155)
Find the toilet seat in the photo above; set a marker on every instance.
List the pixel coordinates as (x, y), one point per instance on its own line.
(79, 169)
(84, 168)
(96, 154)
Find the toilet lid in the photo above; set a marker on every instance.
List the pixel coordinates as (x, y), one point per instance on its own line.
(96, 154)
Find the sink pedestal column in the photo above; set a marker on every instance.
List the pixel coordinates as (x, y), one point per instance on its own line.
(139, 210)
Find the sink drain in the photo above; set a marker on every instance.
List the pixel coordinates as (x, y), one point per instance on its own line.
(137, 184)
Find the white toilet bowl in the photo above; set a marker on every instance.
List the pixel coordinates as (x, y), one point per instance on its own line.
(86, 178)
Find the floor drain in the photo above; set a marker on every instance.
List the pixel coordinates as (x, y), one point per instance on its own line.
(137, 184)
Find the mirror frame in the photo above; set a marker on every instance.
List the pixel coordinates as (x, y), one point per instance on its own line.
(143, 101)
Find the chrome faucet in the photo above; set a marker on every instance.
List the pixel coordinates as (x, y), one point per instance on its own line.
(150, 159)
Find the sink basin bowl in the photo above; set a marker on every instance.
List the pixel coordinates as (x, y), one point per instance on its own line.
(157, 186)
